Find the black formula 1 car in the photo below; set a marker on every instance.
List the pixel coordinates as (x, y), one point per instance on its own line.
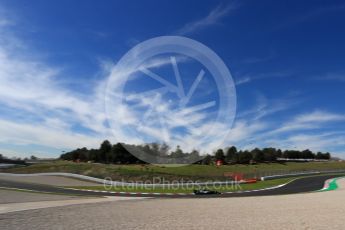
(205, 192)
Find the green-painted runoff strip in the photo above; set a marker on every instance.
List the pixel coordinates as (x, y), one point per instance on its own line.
(332, 185)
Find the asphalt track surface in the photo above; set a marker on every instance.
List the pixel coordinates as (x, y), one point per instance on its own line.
(302, 185)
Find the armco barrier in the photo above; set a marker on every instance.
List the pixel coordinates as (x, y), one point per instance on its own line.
(305, 173)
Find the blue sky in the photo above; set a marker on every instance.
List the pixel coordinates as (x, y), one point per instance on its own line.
(287, 60)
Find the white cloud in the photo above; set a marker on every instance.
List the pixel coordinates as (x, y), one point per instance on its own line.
(317, 142)
(248, 78)
(5, 22)
(49, 111)
(253, 60)
(304, 131)
(309, 121)
(311, 14)
(265, 107)
(5, 19)
(45, 134)
(332, 77)
(31, 86)
(243, 80)
(319, 116)
(212, 18)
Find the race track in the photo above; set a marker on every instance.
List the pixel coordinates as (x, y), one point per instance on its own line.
(302, 185)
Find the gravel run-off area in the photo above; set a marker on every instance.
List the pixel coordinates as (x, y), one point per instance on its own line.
(49, 180)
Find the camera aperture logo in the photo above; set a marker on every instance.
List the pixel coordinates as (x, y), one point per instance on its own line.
(170, 90)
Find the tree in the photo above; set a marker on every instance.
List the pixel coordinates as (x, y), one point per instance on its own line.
(83, 154)
(291, 154)
(163, 149)
(194, 156)
(307, 154)
(104, 150)
(323, 156)
(231, 155)
(178, 153)
(245, 157)
(207, 160)
(258, 155)
(121, 153)
(270, 154)
(75, 154)
(327, 156)
(220, 155)
(93, 155)
(33, 158)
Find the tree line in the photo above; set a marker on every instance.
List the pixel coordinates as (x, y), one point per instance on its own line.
(118, 154)
(5, 160)
(257, 155)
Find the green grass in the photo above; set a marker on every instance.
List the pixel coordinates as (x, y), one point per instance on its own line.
(190, 172)
(189, 189)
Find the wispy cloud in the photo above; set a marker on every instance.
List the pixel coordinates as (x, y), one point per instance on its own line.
(331, 142)
(319, 116)
(248, 78)
(98, 34)
(49, 112)
(311, 14)
(5, 22)
(313, 130)
(213, 18)
(265, 107)
(243, 80)
(305, 131)
(45, 134)
(253, 60)
(332, 77)
(4, 18)
(309, 121)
